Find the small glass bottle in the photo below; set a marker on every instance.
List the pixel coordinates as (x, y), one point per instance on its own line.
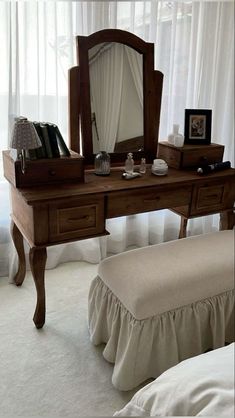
(129, 163)
(102, 164)
(142, 168)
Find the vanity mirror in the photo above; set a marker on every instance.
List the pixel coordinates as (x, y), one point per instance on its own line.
(114, 97)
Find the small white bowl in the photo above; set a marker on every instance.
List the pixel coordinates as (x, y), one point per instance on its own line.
(159, 167)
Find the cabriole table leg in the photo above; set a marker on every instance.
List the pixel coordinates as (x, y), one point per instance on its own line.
(19, 246)
(183, 227)
(37, 259)
(227, 220)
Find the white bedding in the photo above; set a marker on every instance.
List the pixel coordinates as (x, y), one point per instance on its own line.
(202, 385)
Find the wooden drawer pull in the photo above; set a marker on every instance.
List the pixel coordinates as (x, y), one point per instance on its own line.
(212, 196)
(85, 218)
(152, 200)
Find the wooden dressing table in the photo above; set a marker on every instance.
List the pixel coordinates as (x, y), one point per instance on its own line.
(51, 215)
(55, 214)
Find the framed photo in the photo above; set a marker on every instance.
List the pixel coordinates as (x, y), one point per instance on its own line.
(197, 126)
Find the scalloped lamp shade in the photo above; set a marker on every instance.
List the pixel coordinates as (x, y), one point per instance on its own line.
(24, 137)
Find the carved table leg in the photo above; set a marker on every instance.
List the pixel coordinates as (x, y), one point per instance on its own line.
(227, 220)
(183, 227)
(37, 259)
(19, 246)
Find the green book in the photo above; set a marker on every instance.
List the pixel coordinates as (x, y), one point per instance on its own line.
(40, 152)
(46, 139)
(61, 143)
(31, 154)
(53, 140)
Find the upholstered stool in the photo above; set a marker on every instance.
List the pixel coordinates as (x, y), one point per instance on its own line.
(161, 304)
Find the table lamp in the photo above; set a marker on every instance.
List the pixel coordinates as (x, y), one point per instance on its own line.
(24, 137)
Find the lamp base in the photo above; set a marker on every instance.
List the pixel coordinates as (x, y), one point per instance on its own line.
(23, 161)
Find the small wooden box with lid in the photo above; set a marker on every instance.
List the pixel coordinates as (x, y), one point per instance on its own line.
(190, 156)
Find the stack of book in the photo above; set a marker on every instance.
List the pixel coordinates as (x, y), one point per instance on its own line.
(53, 144)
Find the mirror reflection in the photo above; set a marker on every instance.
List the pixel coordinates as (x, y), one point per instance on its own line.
(116, 94)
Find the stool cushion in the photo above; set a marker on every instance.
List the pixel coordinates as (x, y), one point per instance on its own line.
(176, 272)
(159, 305)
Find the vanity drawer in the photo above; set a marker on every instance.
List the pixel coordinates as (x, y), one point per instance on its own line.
(132, 202)
(76, 219)
(190, 156)
(211, 198)
(44, 171)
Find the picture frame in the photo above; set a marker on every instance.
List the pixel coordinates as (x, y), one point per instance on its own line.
(197, 126)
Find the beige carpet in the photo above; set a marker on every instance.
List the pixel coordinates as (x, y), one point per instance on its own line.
(55, 371)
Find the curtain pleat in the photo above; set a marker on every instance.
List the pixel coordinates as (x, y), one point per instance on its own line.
(194, 49)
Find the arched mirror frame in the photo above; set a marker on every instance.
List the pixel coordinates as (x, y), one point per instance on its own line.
(79, 96)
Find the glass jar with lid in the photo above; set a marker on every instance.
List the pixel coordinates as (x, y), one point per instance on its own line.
(102, 164)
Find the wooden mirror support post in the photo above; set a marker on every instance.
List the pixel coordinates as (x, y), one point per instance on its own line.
(79, 96)
(74, 109)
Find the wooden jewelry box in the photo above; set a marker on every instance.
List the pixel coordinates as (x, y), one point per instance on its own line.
(190, 156)
(44, 171)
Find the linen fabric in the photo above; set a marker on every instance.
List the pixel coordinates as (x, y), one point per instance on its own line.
(162, 277)
(143, 349)
(148, 328)
(201, 386)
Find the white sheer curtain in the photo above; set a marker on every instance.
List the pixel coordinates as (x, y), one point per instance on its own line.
(116, 71)
(136, 67)
(105, 81)
(193, 48)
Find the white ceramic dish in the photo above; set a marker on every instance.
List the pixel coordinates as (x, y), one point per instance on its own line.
(158, 173)
(159, 167)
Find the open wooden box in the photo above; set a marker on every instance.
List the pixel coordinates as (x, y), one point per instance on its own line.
(44, 171)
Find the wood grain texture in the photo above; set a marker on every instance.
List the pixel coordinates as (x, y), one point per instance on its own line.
(152, 93)
(76, 218)
(212, 196)
(139, 201)
(74, 109)
(227, 219)
(44, 171)
(94, 185)
(190, 156)
(50, 215)
(31, 220)
(183, 227)
(37, 259)
(19, 246)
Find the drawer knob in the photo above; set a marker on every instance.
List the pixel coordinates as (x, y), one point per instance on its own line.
(204, 160)
(52, 173)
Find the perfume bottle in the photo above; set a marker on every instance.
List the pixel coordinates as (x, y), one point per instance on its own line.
(142, 168)
(129, 163)
(102, 164)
